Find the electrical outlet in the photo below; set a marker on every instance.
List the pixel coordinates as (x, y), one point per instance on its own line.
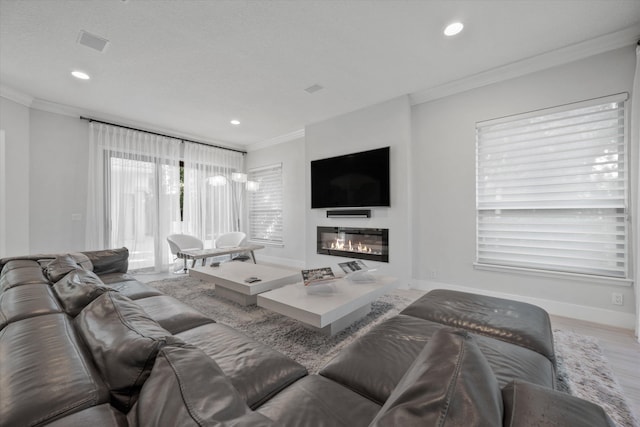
(617, 299)
(433, 274)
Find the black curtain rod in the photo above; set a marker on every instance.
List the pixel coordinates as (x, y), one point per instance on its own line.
(161, 134)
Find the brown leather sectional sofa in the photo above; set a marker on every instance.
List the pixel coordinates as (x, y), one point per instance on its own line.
(84, 344)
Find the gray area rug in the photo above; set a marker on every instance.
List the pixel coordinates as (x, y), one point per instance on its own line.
(583, 370)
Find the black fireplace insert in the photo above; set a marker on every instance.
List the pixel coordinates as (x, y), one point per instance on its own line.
(350, 242)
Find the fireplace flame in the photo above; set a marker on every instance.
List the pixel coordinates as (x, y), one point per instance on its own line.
(340, 246)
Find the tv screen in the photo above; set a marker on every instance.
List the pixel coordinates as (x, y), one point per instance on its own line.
(354, 180)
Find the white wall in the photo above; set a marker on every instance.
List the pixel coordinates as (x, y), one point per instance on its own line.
(292, 156)
(14, 120)
(3, 196)
(444, 165)
(58, 182)
(385, 124)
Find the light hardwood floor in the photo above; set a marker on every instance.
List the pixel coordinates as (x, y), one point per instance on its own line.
(619, 347)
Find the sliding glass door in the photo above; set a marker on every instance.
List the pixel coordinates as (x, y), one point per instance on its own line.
(136, 189)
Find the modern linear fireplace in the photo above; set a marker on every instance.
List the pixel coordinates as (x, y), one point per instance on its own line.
(363, 243)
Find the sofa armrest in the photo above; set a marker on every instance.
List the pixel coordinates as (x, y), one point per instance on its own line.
(530, 405)
(515, 322)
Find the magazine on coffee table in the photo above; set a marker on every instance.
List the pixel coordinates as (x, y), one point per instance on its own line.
(317, 275)
(351, 266)
(357, 272)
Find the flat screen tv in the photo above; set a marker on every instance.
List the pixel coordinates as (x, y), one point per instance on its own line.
(353, 180)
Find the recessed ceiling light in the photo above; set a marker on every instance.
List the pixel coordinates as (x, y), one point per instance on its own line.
(80, 75)
(453, 29)
(235, 122)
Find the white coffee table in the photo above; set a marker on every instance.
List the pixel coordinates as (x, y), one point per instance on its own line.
(328, 313)
(229, 279)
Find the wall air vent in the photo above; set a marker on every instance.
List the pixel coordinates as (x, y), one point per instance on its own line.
(91, 40)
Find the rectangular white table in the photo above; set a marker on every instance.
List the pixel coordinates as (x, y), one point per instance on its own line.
(203, 254)
(229, 278)
(328, 313)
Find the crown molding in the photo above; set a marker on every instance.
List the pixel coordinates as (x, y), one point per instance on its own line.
(626, 37)
(275, 141)
(15, 95)
(54, 107)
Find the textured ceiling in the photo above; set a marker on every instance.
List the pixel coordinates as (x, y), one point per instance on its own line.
(192, 66)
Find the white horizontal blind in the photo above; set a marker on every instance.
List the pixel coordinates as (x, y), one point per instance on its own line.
(265, 205)
(551, 189)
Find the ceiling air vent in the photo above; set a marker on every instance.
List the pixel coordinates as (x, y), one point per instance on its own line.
(92, 41)
(313, 88)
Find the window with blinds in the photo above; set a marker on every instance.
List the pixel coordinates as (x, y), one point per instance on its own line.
(551, 190)
(265, 205)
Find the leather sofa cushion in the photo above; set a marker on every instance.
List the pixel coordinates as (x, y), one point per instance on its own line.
(77, 289)
(394, 344)
(124, 342)
(103, 415)
(45, 372)
(21, 272)
(256, 370)
(109, 260)
(316, 401)
(515, 322)
(128, 286)
(529, 405)
(171, 314)
(449, 384)
(187, 388)
(26, 301)
(59, 267)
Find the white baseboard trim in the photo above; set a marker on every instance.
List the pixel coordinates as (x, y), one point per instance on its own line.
(288, 262)
(557, 308)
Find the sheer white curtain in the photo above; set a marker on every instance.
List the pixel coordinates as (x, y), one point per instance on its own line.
(213, 201)
(635, 142)
(133, 194)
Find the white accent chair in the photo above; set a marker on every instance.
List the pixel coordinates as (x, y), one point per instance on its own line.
(232, 239)
(181, 242)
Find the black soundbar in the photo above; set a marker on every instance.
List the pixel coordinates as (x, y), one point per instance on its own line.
(361, 213)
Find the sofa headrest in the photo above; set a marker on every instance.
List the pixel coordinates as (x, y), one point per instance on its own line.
(449, 384)
(187, 388)
(77, 289)
(107, 261)
(124, 342)
(59, 267)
